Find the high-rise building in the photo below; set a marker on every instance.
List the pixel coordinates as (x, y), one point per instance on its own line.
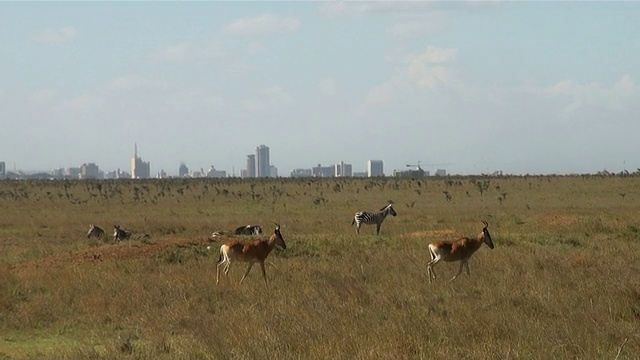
(375, 168)
(139, 168)
(90, 171)
(273, 171)
(251, 166)
(213, 173)
(263, 168)
(183, 170)
(343, 170)
(3, 168)
(322, 171)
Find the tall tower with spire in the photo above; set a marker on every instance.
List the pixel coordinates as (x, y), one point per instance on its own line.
(139, 168)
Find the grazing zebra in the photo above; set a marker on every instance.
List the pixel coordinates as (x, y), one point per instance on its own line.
(249, 230)
(95, 232)
(365, 217)
(120, 234)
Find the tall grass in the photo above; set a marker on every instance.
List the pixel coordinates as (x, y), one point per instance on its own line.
(562, 282)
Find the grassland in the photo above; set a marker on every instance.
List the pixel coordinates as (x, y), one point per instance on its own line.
(562, 282)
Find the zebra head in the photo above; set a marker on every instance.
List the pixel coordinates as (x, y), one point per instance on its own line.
(257, 230)
(389, 210)
(94, 231)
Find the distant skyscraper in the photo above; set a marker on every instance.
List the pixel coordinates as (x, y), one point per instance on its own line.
(375, 168)
(139, 168)
(343, 170)
(90, 171)
(251, 166)
(183, 170)
(3, 168)
(263, 168)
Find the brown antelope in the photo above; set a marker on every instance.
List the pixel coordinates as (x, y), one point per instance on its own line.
(255, 251)
(459, 250)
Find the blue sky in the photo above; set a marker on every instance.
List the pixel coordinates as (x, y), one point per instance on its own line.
(522, 87)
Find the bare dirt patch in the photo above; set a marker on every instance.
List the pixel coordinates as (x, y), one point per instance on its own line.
(125, 250)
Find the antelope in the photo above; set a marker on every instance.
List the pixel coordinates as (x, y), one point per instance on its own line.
(120, 234)
(95, 232)
(369, 218)
(459, 250)
(249, 230)
(254, 251)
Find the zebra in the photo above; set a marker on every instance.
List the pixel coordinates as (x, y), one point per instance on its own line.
(365, 217)
(120, 234)
(249, 230)
(95, 232)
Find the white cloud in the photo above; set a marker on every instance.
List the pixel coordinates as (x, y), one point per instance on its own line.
(193, 100)
(594, 94)
(430, 69)
(381, 94)
(189, 51)
(174, 53)
(127, 82)
(85, 103)
(55, 37)
(43, 97)
(418, 24)
(256, 47)
(272, 98)
(327, 86)
(374, 7)
(265, 24)
(132, 82)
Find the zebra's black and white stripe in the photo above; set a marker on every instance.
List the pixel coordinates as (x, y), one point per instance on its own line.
(369, 218)
(120, 234)
(95, 231)
(249, 230)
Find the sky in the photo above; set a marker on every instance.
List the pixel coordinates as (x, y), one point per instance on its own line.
(522, 87)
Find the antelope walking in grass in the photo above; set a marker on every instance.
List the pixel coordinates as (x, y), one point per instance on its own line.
(369, 218)
(120, 234)
(95, 232)
(254, 251)
(459, 250)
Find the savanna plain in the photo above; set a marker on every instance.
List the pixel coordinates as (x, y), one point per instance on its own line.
(563, 280)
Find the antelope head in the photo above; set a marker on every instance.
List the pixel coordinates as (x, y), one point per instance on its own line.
(278, 237)
(486, 237)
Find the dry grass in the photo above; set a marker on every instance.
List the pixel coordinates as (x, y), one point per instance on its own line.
(562, 282)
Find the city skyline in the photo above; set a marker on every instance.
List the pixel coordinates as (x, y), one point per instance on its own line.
(523, 87)
(261, 168)
(371, 168)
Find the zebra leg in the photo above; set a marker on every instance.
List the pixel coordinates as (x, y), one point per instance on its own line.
(378, 228)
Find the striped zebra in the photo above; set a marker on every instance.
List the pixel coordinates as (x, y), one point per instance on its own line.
(369, 218)
(120, 234)
(95, 232)
(249, 230)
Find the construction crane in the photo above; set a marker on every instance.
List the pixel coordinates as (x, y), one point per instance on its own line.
(416, 166)
(419, 167)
